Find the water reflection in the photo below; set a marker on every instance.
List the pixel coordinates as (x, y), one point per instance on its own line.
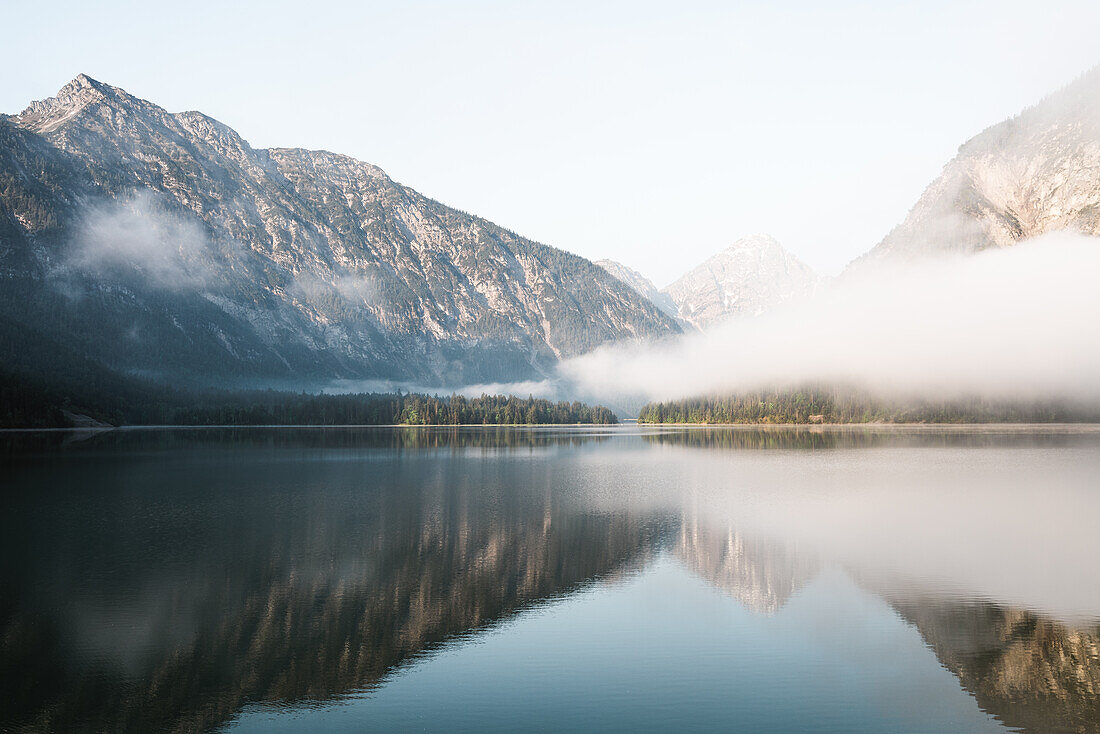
(1031, 672)
(871, 436)
(155, 591)
(164, 580)
(20, 446)
(759, 574)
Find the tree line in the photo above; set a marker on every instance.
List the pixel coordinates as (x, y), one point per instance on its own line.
(819, 404)
(365, 409)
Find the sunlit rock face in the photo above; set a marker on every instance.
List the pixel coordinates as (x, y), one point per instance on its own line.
(1035, 173)
(760, 575)
(751, 276)
(1029, 671)
(185, 249)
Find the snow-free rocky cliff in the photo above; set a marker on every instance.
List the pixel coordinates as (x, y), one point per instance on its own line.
(749, 277)
(642, 285)
(1035, 173)
(165, 244)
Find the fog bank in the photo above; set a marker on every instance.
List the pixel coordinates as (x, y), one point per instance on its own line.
(1018, 323)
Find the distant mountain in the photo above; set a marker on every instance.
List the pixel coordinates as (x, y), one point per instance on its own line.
(1032, 174)
(641, 285)
(752, 275)
(761, 575)
(165, 244)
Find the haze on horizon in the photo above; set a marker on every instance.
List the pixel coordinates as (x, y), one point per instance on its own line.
(617, 130)
(1013, 324)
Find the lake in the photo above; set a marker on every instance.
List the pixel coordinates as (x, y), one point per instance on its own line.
(614, 579)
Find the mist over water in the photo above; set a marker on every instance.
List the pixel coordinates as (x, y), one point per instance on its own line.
(1018, 323)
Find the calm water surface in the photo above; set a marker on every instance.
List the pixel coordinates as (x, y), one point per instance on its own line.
(623, 579)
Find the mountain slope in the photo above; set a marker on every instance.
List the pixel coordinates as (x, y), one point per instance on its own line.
(164, 243)
(642, 285)
(1032, 174)
(752, 275)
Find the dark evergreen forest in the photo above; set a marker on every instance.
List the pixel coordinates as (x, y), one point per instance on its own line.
(821, 404)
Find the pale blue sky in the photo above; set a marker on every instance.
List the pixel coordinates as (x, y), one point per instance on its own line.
(651, 133)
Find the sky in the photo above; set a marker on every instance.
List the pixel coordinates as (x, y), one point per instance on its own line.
(655, 134)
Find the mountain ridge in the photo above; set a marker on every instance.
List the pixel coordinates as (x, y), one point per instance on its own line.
(642, 285)
(310, 263)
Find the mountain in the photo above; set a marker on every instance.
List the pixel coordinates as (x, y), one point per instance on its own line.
(1032, 174)
(164, 244)
(1032, 672)
(752, 275)
(642, 285)
(761, 575)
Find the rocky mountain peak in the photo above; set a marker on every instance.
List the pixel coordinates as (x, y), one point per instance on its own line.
(759, 250)
(747, 278)
(758, 242)
(43, 116)
(82, 85)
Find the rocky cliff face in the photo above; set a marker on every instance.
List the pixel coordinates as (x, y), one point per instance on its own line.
(165, 243)
(1035, 173)
(750, 276)
(1032, 673)
(761, 575)
(642, 285)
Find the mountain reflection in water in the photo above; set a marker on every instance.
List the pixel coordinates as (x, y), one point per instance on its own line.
(166, 580)
(1031, 672)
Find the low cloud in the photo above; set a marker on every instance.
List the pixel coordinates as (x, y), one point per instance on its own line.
(356, 289)
(137, 236)
(1017, 323)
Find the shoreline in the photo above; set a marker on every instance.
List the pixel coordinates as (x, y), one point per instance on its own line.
(1083, 427)
(1090, 426)
(169, 426)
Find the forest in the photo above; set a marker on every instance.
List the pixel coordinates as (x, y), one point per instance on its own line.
(822, 404)
(368, 409)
